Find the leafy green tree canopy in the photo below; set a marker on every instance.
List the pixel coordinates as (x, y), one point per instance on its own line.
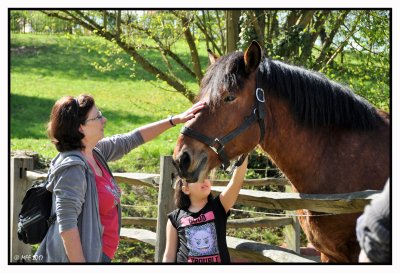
(349, 46)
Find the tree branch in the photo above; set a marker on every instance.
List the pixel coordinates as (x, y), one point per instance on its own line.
(166, 50)
(343, 44)
(192, 46)
(93, 26)
(203, 29)
(327, 43)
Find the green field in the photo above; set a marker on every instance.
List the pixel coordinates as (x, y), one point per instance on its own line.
(45, 68)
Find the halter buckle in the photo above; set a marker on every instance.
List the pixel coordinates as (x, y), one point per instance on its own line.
(217, 150)
(260, 94)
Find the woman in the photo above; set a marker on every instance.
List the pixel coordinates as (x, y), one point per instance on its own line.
(86, 198)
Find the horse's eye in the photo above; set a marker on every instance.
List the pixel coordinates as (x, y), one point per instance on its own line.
(229, 98)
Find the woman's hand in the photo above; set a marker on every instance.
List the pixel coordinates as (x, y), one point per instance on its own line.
(190, 113)
(154, 129)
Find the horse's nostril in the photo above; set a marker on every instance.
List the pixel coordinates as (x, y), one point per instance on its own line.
(184, 161)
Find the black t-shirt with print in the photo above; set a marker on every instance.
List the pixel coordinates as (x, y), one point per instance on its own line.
(201, 235)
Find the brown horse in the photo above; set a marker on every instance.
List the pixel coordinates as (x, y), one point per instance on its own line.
(323, 137)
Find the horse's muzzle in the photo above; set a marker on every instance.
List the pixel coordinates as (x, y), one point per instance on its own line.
(188, 168)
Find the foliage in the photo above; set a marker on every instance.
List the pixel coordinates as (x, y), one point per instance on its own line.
(27, 21)
(134, 252)
(323, 40)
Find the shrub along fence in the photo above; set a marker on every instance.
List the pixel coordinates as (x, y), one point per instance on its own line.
(241, 250)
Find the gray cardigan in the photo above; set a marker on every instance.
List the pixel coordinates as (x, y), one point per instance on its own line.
(75, 198)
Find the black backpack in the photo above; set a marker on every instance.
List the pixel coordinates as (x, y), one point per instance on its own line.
(34, 217)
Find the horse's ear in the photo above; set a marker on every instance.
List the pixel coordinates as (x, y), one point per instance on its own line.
(211, 56)
(252, 57)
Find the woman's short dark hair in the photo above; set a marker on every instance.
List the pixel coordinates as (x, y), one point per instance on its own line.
(67, 115)
(182, 201)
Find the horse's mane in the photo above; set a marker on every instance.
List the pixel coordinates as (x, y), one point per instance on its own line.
(314, 100)
(317, 101)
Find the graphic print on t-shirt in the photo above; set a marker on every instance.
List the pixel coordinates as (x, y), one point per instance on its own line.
(201, 237)
(202, 240)
(114, 191)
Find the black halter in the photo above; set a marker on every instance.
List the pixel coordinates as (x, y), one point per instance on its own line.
(218, 144)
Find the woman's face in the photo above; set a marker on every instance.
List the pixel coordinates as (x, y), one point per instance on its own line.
(93, 129)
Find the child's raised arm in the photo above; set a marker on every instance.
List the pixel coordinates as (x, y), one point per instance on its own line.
(229, 195)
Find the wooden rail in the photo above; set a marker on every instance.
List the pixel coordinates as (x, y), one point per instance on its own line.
(153, 180)
(240, 250)
(23, 176)
(232, 223)
(328, 203)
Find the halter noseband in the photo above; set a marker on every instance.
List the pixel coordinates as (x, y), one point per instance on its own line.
(218, 144)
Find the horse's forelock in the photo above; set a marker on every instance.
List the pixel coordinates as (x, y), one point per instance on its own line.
(227, 73)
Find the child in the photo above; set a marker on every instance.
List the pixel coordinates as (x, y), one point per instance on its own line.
(196, 230)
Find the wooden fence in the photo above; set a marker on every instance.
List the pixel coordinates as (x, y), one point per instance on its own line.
(22, 175)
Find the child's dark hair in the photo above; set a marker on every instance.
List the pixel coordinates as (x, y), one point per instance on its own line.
(182, 201)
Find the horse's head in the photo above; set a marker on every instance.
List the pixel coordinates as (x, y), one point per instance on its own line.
(229, 125)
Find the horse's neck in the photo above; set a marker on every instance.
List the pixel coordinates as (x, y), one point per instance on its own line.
(295, 150)
(325, 161)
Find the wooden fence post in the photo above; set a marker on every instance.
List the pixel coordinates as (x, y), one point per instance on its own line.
(165, 204)
(292, 231)
(18, 186)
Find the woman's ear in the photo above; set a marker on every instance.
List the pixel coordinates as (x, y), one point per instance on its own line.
(81, 129)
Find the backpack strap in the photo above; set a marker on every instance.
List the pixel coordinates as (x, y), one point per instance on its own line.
(51, 219)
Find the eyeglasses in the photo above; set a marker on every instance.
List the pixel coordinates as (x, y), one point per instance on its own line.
(99, 117)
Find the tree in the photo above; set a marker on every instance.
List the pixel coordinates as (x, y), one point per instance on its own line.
(315, 39)
(232, 29)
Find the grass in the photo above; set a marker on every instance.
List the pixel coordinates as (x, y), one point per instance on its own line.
(45, 68)
(54, 68)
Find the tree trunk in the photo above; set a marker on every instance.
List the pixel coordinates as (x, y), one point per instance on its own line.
(305, 18)
(105, 19)
(70, 28)
(220, 30)
(317, 28)
(258, 20)
(203, 12)
(292, 18)
(232, 29)
(118, 22)
(193, 49)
